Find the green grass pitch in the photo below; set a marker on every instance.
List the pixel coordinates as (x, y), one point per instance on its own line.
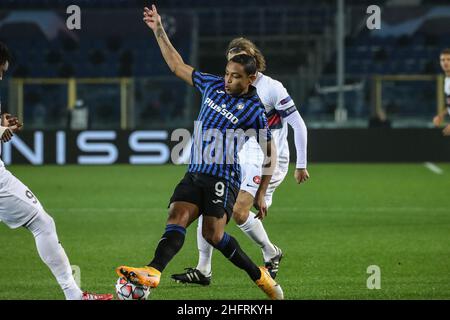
(344, 219)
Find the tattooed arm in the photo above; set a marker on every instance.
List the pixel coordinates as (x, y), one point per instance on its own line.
(170, 54)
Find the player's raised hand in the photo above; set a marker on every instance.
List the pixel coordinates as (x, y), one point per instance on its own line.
(301, 175)
(16, 127)
(152, 18)
(11, 122)
(260, 204)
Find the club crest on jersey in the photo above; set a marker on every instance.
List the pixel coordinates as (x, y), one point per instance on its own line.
(257, 179)
(240, 106)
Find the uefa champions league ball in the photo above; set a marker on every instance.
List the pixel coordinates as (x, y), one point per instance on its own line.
(126, 290)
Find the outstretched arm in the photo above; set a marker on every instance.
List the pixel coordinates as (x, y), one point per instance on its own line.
(170, 54)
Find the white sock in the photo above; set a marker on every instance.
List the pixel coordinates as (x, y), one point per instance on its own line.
(52, 253)
(205, 250)
(254, 229)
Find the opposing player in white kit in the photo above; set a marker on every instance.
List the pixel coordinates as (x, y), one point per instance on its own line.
(445, 65)
(20, 208)
(280, 110)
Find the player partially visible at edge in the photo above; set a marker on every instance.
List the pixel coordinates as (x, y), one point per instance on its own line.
(280, 110)
(19, 207)
(445, 65)
(210, 188)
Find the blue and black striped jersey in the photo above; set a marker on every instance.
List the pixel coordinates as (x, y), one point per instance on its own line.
(222, 116)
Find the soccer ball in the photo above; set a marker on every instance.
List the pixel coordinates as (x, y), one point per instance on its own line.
(126, 290)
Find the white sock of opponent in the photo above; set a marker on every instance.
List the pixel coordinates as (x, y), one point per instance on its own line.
(52, 253)
(254, 229)
(205, 250)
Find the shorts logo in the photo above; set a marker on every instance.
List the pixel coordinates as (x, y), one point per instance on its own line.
(257, 179)
(216, 201)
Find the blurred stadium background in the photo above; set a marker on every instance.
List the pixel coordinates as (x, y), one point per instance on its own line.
(371, 102)
(118, 71)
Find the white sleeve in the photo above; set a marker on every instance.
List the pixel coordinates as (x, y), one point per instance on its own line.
(281, 100)
(295, 120)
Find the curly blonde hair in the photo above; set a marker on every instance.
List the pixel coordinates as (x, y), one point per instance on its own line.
(243, 44)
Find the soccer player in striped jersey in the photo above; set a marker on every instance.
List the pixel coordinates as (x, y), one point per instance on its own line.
(19, 207)
(445, 65)
(211, 185)
(280, 110)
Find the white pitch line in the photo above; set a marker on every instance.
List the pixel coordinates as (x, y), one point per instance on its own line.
(434, 168)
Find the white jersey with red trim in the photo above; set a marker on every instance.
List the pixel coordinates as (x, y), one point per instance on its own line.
(278, 105)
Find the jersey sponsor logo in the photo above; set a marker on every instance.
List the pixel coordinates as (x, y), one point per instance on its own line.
(222, 110)
(257, 179)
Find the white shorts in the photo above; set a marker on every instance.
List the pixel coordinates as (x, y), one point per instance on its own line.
(18, 205)
(251, 178)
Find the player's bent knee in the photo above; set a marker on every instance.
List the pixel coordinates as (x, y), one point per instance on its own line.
(242, 207)
(212, 240)
(41, 223)
(212, 237)
(240, 215)
(178, 216)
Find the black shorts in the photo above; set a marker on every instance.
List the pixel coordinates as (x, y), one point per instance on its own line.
(212, 195)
